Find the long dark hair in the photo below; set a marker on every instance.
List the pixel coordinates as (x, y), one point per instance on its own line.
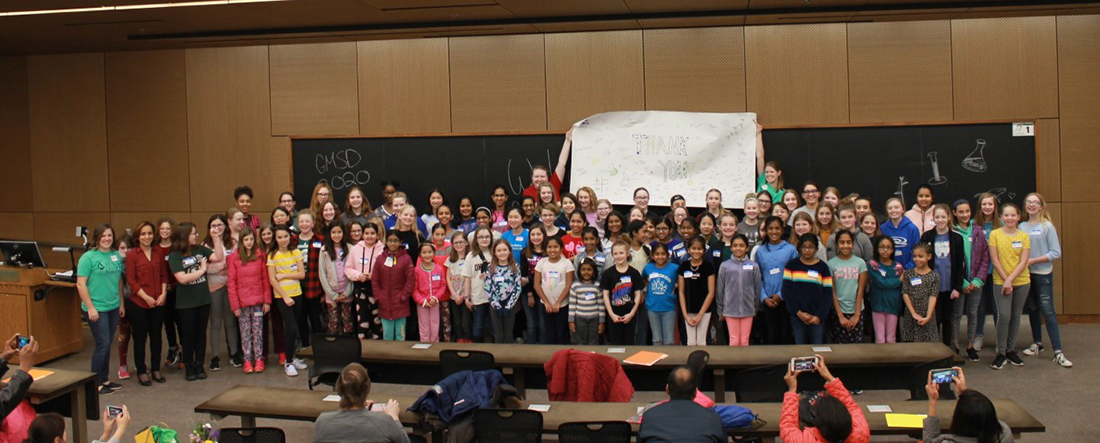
(181, 238)
(227, 238)
(244, 254)
(975, 417)
(330, 246)
(46, 428)
(832, 419)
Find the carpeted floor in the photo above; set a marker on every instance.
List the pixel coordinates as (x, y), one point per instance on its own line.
(1058, 397)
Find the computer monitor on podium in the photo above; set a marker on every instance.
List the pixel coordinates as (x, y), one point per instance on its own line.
(22, 253)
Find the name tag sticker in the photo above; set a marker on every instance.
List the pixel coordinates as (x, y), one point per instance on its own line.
(553, 274)
(317, 244)
(813, 273)
(436, 277)
(1037, 231)
(717, 253)
(498, 278)
(600, 259)
(1017, 244)
(773, 271)
(189, 261)
(897, 253)
(689, 274)
(519, 239)
(747, 266)
(624, 279)
(390, 261)
(882, 271)
(915, 281)
(580, 249)
(258, 314)
(590, 296)
(365, 260)
(114, 258)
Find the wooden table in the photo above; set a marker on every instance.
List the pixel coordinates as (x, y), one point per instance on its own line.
(80, 390)
(877, 366)
(251, 402)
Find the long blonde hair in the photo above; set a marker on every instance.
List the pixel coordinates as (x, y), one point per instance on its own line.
(592, 199)
(806, 217)
(415, 227)
(313, 204)
(1042, 215)
(979, 216)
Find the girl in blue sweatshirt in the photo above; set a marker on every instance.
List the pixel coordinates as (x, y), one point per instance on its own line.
(772, 256)
(904, 233)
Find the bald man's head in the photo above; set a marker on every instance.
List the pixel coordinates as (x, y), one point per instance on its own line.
(681, 383)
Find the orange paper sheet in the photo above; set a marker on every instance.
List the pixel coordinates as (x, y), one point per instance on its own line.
(36, 374)
(645, 358)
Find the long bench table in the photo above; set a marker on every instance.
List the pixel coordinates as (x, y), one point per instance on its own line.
(867, 366)
(252, 402)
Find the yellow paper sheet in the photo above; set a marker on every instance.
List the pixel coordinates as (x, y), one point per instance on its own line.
(36, 374)
(895, 420)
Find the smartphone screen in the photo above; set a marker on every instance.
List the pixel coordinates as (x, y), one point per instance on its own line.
(803, 364)
(941, 376)
(21, 341)
(114, 411)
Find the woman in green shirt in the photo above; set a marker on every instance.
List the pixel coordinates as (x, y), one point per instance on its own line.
(99, 283)
(188, 261)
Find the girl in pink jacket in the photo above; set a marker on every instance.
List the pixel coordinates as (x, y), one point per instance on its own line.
(360, 263)
(250, 297)
(837, 417)
(430, 293)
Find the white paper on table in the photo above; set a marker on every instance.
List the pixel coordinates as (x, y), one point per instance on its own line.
(331, 397)
(422, 346)
(616, 350)
(879, 408)
(540, 408)
(822, 349)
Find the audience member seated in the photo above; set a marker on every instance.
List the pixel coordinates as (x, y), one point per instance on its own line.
(355, 421)
(681, 419)
(114, 428)
(836, 417)
(13, 392)
(47, 428)
(975, 418)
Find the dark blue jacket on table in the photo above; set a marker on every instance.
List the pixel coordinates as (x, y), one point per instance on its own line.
(459, 393)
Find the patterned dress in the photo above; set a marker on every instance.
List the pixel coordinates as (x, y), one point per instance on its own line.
(921, 290)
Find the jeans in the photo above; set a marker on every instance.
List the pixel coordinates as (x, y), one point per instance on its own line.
(145, 324)
(103, 333)
(222, 319)
(805, 334)
(192, 322)
(536, 327)
(663, 325)
(1042, 297)
(290, 315)
(970, 303)
(987, 302)
(1011, 307)
(481, 314)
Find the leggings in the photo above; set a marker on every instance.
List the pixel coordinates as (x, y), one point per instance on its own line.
(504, 325)
(278, 335)
(393, 330)
(428, 322)
(171, 320)
(970, 304)
(621, 334)
(945, 317)
(886, 327)
(290, 316)
(777, 325)
(697, 335)
(192, 324)
(310, 320)
(339, 317)
(740, 328)
(556, 331)
(1010, 308)
(462, 318)
(146, 325)
(368, 324)
(222, 319)
(251, 323)
(124, 333)
(987, 303)
(1042, 301)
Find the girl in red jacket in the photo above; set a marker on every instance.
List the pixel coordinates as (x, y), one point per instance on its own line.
(836, 416)
(430, 292)
(250, 297)
(393, 282)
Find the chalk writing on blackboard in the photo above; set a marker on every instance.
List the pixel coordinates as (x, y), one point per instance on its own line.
(936, 179)
(975, 162)
(517, 186)
(1000, 193)
(340, 169)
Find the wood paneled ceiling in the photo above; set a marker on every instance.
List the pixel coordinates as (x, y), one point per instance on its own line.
(302, 21)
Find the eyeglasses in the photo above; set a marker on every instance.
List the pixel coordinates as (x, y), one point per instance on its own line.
(641, 198)
(812, 191)
(885, 247)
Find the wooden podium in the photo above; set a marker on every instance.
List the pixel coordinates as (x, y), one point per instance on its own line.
(53, 319)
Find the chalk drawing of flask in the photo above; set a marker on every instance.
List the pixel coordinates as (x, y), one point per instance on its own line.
(975, 162)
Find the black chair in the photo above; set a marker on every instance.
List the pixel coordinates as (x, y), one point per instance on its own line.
(251, 435)
(331, 354)
(918, 378)
(595, 432)
(760, 385)
(510, 425)
(698, 361)
(452, 361)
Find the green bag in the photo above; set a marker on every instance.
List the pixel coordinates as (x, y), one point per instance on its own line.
(156, 434)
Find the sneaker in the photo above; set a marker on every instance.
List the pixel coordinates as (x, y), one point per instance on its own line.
(215, 364)
(123, 372)
(856, 392)
(1033, 350)
(972, 355)
(282, 358)
(190, 373)
(173, 357)
(978, 341)
(299, 364)
(290, 370)
(998, 362)
(259, 366)
(1062, 360)
(247, 367)
(1014, 358)
(236, 360)
(199, 372)
(105, 390)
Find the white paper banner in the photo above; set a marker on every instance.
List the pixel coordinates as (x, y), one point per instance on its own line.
(668, 153)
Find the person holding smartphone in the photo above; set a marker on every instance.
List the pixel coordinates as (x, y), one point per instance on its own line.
(115, 421)
(836, 417)
(18, 384)
(975, 417)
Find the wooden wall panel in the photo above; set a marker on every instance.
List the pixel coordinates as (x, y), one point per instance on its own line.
(17, 225)
(498, 83)
(404, 86)
(592, 72)
(1079, 100)
(229, 126)
(60, 227)
(1005, 68)
(797, 74)
(313, 89)
(695, 69)
(147, 131)
(15, 143)
(1055, 210)
(129, 220)
(68, 129)
(900, 71)
(1079, 260)
(1048, 150)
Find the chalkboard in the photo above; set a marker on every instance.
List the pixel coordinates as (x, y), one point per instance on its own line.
(971, 159)
(458, 165)
(958, 161)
